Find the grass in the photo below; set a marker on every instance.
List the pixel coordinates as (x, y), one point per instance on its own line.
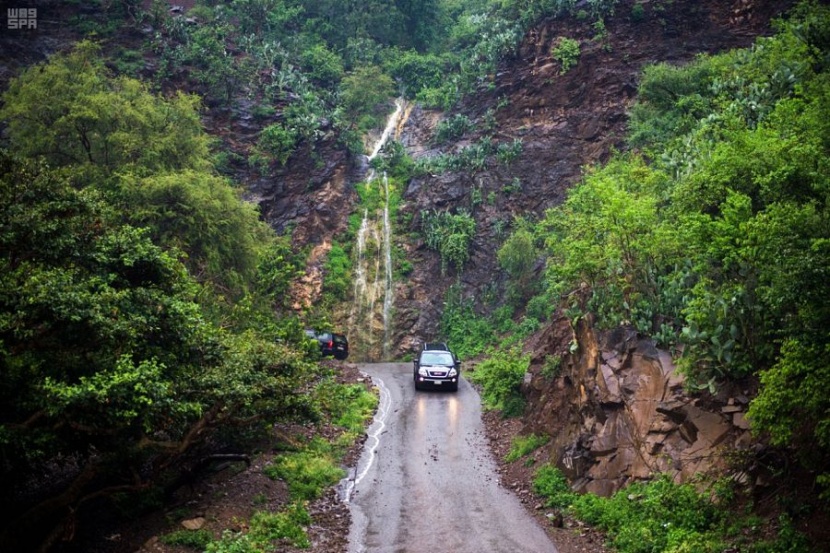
(308, 472)
(524, 445)
(661, 516)
(195, 539)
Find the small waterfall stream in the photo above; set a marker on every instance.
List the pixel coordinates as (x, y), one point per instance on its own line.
(370, 323)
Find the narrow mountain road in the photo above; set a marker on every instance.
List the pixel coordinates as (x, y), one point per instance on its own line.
(426, 482)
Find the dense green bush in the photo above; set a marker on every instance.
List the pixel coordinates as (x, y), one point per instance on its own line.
(566, 52)
(501, 375)
(553, 486)
(450, 235)
(718, 238)
(132, 322)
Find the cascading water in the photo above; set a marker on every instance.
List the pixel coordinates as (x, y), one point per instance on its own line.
(370, 324)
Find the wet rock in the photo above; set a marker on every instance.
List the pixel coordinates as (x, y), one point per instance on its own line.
(194, 523)
(634, 420)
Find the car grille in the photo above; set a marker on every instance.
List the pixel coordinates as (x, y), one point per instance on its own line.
(437, 373)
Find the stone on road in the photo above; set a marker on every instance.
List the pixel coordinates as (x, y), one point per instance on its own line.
(426, 482)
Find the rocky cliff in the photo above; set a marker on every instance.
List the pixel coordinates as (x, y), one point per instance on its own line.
(617, 411)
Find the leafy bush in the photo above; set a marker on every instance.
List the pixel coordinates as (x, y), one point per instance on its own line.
(506, 153)
(322, 65)
(450, 235)
(518, 257)
(347, 406)
(288, 524)
(277, 143)
(551, 484)
(418, 72)
(453, 128)
(337, 273)
(655, 516)
(468, 333)
(266, 529)
(552, 366)
(365, 93)
(566, 52)
(501, 375)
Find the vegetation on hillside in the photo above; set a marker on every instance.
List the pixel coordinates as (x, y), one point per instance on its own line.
(142, 303)
(717, 235)
(710, 235)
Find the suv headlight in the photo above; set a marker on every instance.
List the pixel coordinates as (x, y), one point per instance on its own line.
(453, 372)
(422, 371)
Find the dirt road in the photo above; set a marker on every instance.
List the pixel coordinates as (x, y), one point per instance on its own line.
(426, 481)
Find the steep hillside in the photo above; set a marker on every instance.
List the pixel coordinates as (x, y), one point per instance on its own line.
(616, 411)
(564, 121)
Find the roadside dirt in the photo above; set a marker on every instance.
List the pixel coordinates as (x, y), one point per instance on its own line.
(569, 535)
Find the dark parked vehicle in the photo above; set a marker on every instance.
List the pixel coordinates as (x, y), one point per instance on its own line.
(332, 344)
(437, 368)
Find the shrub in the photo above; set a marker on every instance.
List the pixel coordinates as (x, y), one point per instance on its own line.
(450, 235)
(337, 271)
(453, 128)
(566, 52)
(277, 143)
(196, 539)
(322, 65)
(655, 516)
(467, 332)
(552, 485)
(288, 524)
(501, 376)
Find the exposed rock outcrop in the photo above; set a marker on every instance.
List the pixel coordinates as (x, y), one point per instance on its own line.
(618, 411)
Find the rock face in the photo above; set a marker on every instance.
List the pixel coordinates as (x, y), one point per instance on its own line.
(618, 412)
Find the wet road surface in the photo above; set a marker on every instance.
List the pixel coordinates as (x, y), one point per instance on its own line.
(426, 482)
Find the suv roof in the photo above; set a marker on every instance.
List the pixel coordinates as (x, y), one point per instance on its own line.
(436, 346)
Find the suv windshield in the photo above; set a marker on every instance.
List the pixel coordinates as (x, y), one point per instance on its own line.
(436, 358)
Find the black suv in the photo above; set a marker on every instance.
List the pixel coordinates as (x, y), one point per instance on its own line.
(332, 344)
(436, 366)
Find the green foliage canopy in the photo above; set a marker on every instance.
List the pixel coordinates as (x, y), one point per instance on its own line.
(137, 290)
(718, 238)
(147, 155)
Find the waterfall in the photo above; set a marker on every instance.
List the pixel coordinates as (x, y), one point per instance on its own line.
(387, 264)
(370, 324)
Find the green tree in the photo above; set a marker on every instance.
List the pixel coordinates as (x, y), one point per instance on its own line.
(365, 95)
(106, 357)
(72, 111)
(322, 65)
(148, 155)
(606, 236)
(518, 256)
